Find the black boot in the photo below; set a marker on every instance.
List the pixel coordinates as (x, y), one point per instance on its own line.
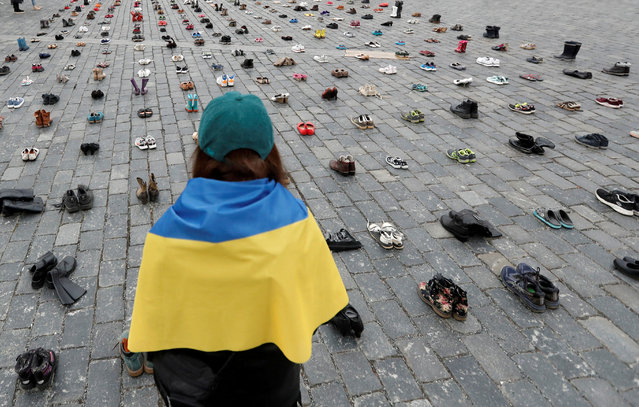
(348, 322)
(247, 64)
(496, 31)
(571, 48)
(464, 109)
(435, 19)
(16, 8)
(490, 31)
(474, 109)
(10, 206)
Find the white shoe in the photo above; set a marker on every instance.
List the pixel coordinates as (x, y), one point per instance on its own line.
(17, 102)
(144, 73)
(307, 27)
(145, 61)
(497, 80)
(413, 21)
(222, 81)
(373, 44)
(25, 154)
(276, 28)
(138, 47)
(106, 27)
(83, 29)
(177, 58)
(33, 154)
(207, 55)
(230, 80)
(388, 70)
(26, 81)
(297, 48)
(487, 61)
(463, 82)
(321, 59)
(349, 34)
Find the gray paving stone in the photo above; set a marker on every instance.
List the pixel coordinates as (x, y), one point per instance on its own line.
(608, 366)
(330, 394)
(445, 393)
(397, 380)
(377, 399)
(599, 392)
(320, 368)
(104, 386)
(356, 372)
(420, 359)
(494, 361)
(613, 338)
(524, 393)
(478, 386)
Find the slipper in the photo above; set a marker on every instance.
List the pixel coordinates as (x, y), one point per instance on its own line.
(301, 127)
(140, 143)
(150, 142)
(570, 105)
(564, 219)
(310, 128)
(548, 217)
(628, 266)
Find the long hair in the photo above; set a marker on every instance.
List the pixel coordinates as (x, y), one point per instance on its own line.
(240, 165)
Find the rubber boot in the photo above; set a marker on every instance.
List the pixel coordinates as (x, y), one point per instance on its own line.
(394, 13)
(22, 44)
(435, 19)
(571, 48)
(16, 8)
(460, 47)
(143, 90)
(194, 106)
(136, 90)
(474, 109)
(490, 31)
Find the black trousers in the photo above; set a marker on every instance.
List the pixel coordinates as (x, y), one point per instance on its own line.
(260, 377)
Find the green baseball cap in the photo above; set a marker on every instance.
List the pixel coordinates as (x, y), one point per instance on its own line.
(234, 121)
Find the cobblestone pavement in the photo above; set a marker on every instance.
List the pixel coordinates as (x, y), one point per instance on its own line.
(584, 353)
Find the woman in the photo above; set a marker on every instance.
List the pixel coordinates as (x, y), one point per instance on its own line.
(236, 275)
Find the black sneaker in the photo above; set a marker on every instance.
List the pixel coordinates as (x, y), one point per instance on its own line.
(387, 24)
(23, 369)
(69, 202)
(348, 322)
(621, 201)
(551, 292)
(342, 241)
(332, 25)
(525, 287)
(43, 366)
(85, 197)
(593, 140)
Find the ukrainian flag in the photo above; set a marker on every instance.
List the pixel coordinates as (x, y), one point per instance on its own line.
(231, 266)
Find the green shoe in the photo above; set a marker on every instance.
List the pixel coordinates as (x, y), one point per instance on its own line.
(133, 362)
(471, 155)
(419, 114)
(459, 155)
(148, 365)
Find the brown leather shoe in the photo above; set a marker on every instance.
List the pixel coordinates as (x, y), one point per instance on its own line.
(153, 190)
(142, 193)
(344, 165)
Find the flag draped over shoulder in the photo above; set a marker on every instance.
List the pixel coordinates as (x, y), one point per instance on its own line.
(231, 266)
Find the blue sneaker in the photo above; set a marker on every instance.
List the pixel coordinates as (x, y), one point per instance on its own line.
(293, 20)
(551, 293)
(525, 286)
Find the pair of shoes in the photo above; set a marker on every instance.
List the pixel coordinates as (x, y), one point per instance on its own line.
(262, 80)
(146, 193)
(414, 116)
(145, 112)
(73, 203)
(134, 363)
(348, 322)
(306, 129)
(14, 103)
(340, 73)
(191, 103)
(429, 66)
(462, 155)
(36, 367)
(280, 98)
(42, 118)
(330, 94)
(189, 85)
(535, 291)
(95, 117)
(419, 87)
(622, 202)
(610, 102)
(396, 162)
(145, 143)
(487, 61)
(497, 80)
(501, 47)
(97, 94)
(300, 77)
(30, 154)
(363, 122)
(593, 140)
(466, 223)
(570, 105)
(523, 108)
(388, 70)
(387, 235)
(466, 110)
(345, 165)
(342, 241)
(531, 77)
(226, 81)
(446, 298)
(556, 219)
(49, 99)
(529, 145)
(89, 148)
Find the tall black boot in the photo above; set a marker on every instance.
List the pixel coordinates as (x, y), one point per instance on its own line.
(496, 31)
(571, 48)
(16, 8)
(17, 194)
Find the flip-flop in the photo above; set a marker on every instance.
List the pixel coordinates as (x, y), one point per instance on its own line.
(564, 219)
(548, 217)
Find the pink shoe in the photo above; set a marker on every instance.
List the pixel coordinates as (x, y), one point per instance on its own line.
(259, 39)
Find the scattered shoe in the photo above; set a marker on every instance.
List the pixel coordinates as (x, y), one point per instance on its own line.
(593, 140)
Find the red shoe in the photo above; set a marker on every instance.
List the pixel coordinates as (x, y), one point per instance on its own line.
(301, 127)
(427, 53)
(383, 4)
(310, 127)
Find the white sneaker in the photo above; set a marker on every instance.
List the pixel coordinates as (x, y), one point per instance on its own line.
(106, 27)
(307, 27)
(413, 21)
(207, 55)
(25, 154)
(373, 44)
(33, 154)
(388, 70)
(83, 29)
(349, 34)
(139, 47)
(144, 73)
(276, 28)
(230, 80)
(145, 61)
(322, 58)
(222, 81)
(297, 48)
(463, 82)
(487, 61)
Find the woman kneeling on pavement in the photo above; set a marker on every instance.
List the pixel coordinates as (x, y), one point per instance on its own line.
(236, 276)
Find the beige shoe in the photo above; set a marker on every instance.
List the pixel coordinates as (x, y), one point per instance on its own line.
(142, 193)
(37, 8)
(153, 190)
(635, 134)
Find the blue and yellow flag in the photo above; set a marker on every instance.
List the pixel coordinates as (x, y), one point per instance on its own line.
(231, 266)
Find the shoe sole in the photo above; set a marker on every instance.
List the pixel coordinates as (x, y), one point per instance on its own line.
(545, 221)
(615, 207)
(438, 312)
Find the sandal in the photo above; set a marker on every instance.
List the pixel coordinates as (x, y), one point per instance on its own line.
(432, 40)
(396, 162)
(140, 142)
(382, 237)
(144, 113)
(262, 80)
(569, 105)
(150, 142)
(419, 87)
(280, 98)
